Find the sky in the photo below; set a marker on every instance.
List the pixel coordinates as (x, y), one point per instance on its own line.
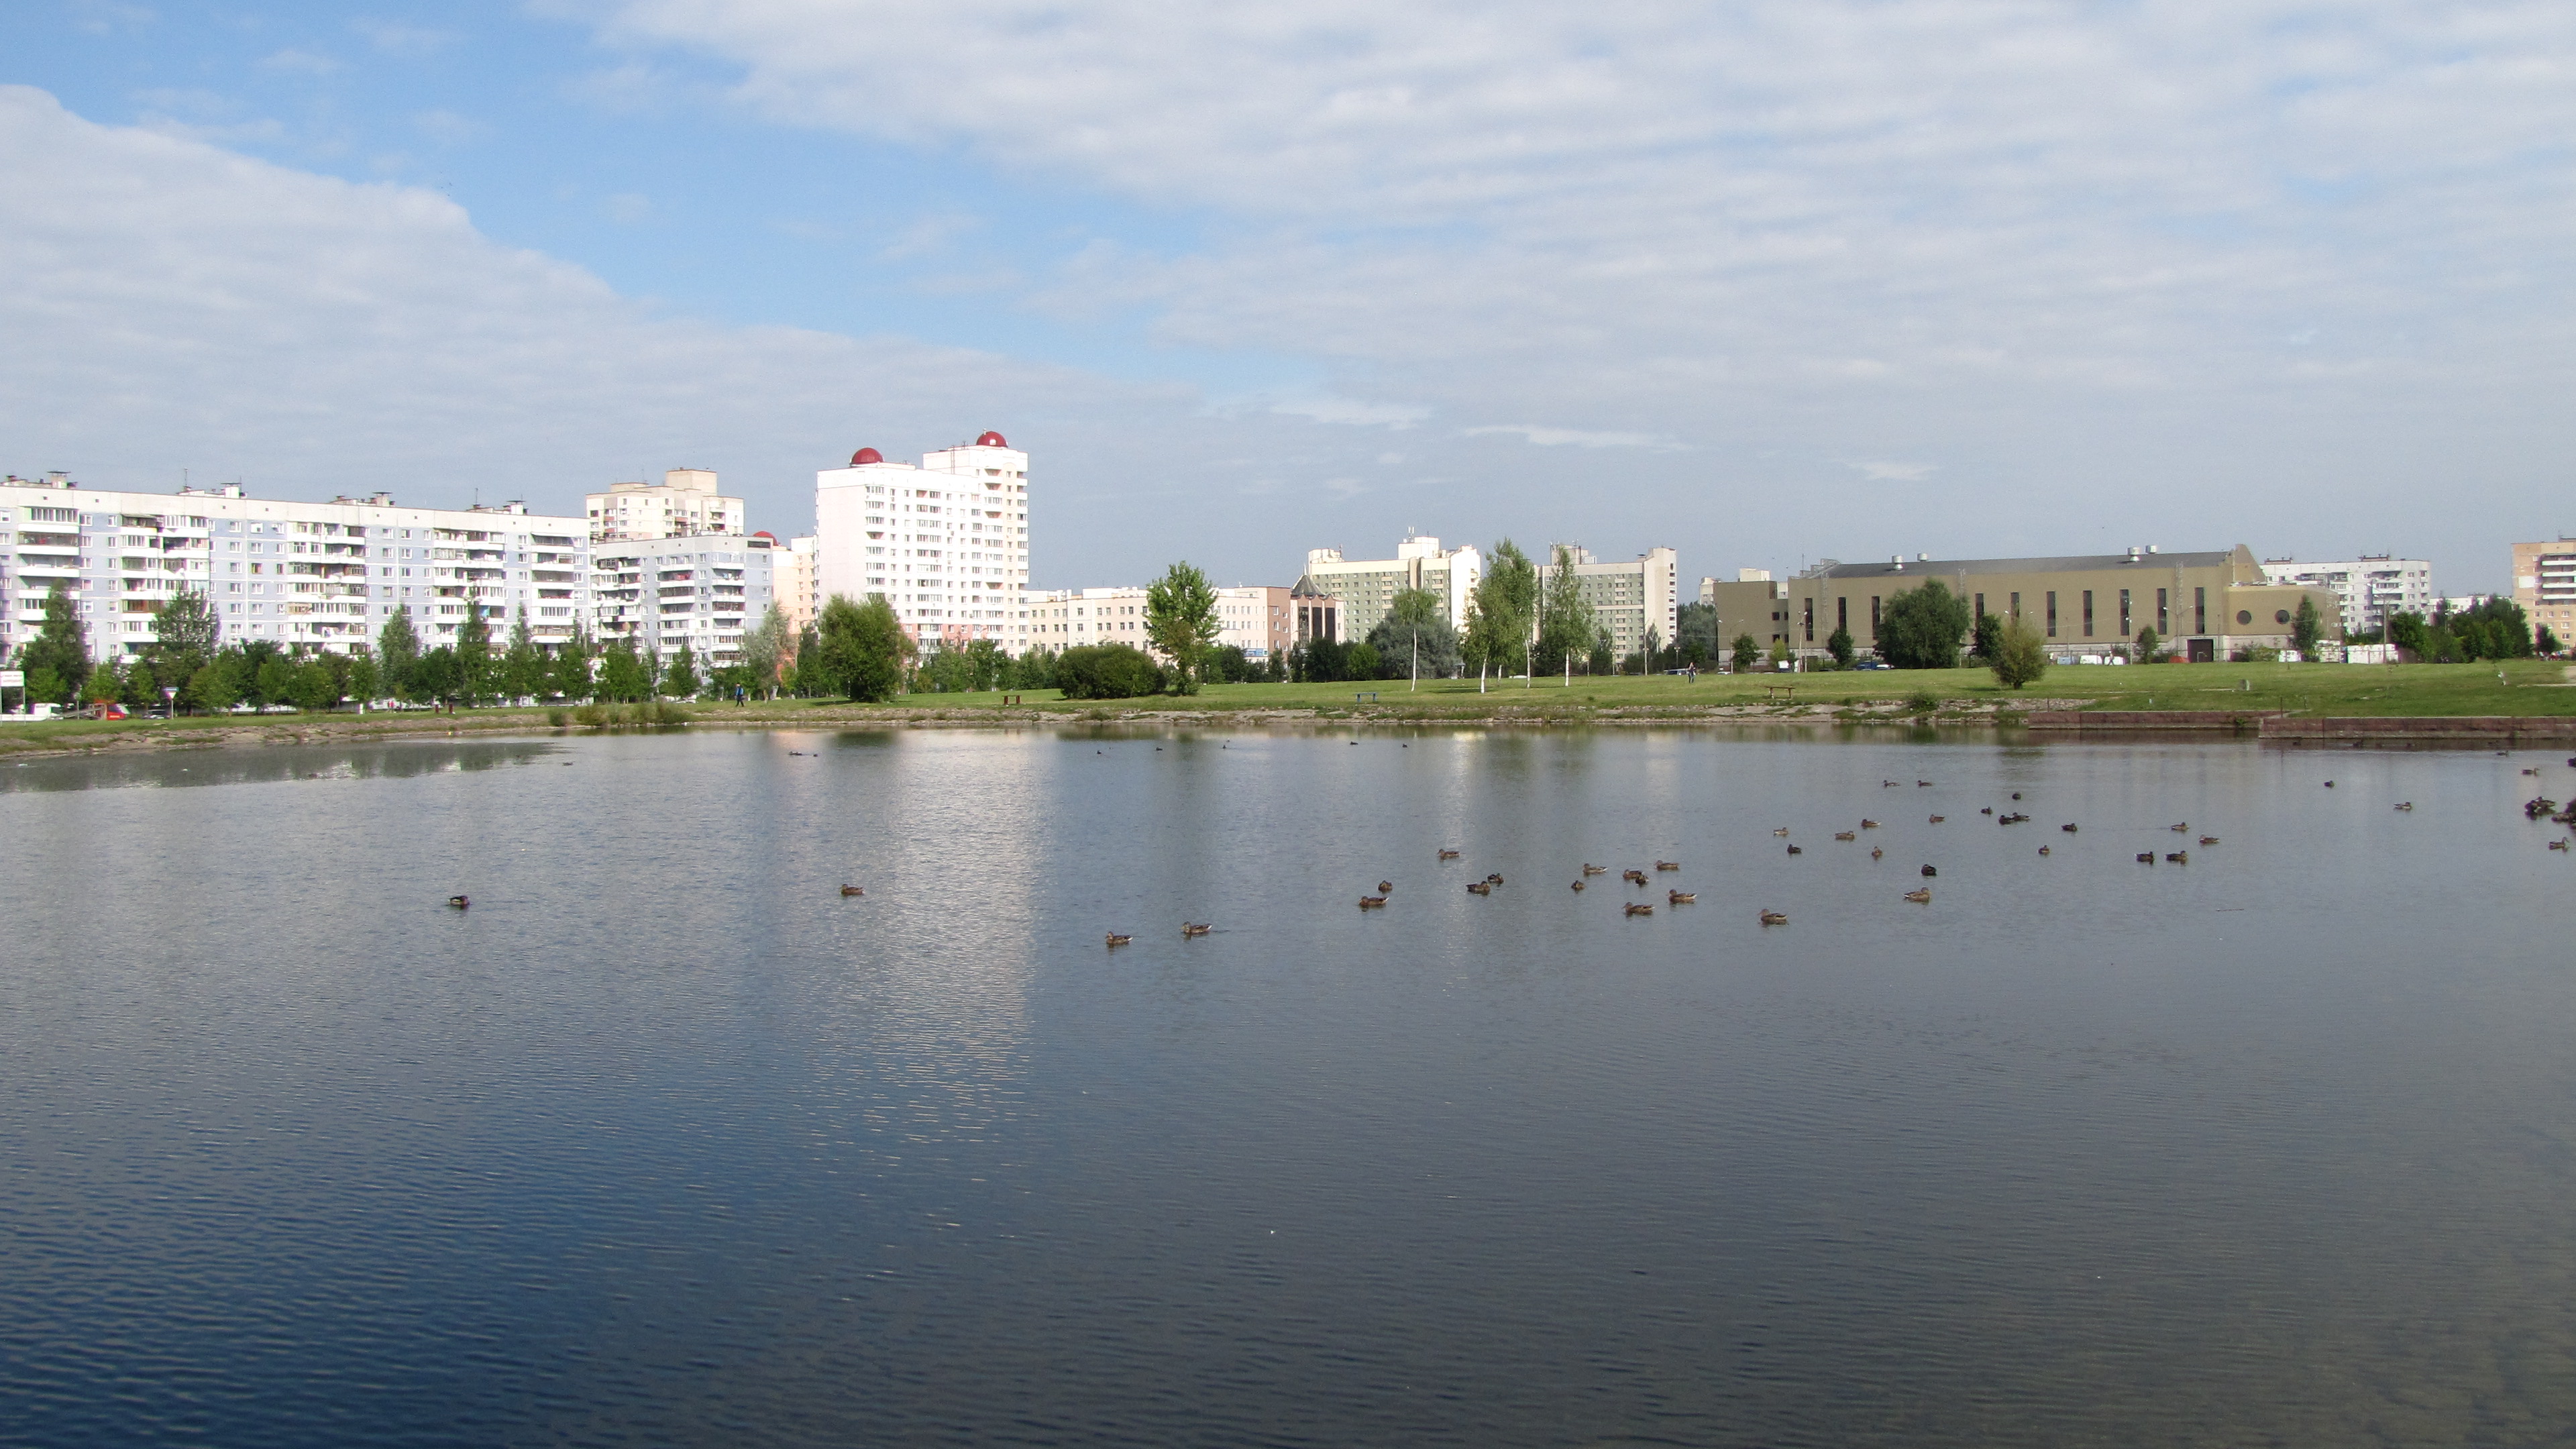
(1766, 282)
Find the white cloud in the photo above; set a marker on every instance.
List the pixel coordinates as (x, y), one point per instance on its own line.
(447, 128)
(396, 38)
(1894, 472)
(626, 208)
(1347, 412)
(1566, 437)
(293, 61)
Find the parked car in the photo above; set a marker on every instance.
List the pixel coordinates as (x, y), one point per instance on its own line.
(108, 710)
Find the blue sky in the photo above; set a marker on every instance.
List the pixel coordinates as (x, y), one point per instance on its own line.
(1766, 282)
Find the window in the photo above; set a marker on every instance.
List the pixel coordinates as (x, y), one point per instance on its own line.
(2245, 616)
(2052, 613)
(1873, 616)
(2125, 631)
(1981, 609)
(1842, 615)
(2013, 606)
(1810, 612)
(2200, 611)
(2164, 614)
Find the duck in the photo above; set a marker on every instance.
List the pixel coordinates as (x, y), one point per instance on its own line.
(1937, 819)
(1195, 928)
(1495, 878)
(1590, 869)
(2043, 850)
(1793, 850)
(1846, 835)
(459, 902)
(2209, 840)
(1929, 872)
(1118, 940)
(1640, 908)
(1386, 887)
(1868, 824)
(2558, 845)
(1783, 830)
(1374, 903)
(1922, 784)
(2329, 784)
(1921, 897)
(1989, 810)
(1668, 865)
(2178, 857)
(1775, 918)
(1474, 888)
(1681, 898)
(2069, 828)
(2531, 772)
(1887, 784)
(2179, 829)
(1448, 854)
(2146, 857)
(2405, 804)
(1578, 885)
(1875, 852)
(1638, 876)
(851, 890)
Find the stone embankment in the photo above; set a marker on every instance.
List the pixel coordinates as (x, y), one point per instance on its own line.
(2282, 726)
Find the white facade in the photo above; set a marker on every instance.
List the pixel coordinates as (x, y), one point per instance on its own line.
(1631, 598)
(796, 577)
(684, 502)
(701, 590)
(2371, 588)
(1253, 618)
(319, 575)
(947, 543)
(1367, 587)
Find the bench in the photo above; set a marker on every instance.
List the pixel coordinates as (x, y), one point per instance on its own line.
(1369, 695)
(1779, 694)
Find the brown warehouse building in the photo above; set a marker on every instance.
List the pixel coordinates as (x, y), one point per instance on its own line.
(2205, 606)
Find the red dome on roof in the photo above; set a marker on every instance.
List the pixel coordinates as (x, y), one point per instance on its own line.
(865, 456)
(765, 533)
(991, 440)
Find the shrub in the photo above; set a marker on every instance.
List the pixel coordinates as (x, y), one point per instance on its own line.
(2020, 656)
(1922, 701)
(1107, 671)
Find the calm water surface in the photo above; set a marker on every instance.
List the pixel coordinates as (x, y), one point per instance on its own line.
(666, 1141)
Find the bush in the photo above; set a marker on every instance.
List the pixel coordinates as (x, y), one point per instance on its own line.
(1107, 671)
(1921, 628)
(1922, 701)
(2020, 655)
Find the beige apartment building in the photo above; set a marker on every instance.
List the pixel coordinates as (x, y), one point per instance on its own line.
(684, 503)
(1366, 588)
(2205, 606)
(1633, 599)
(2544, 584)
(1253, 618)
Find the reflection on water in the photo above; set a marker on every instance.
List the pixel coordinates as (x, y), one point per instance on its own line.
(667, 1140)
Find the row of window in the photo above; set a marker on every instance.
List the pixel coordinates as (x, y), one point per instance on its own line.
(2012, 610)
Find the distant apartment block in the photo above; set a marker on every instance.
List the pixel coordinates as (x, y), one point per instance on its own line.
(315, 575)
(684, 502)
(947, 542)
(1366, 588)
(1632, 599)
(2370, 587)
(701, 590)
(2206, 605)
(797, 576)
(2544, 583)
(1253, 618)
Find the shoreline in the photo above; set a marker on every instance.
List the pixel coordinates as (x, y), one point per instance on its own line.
(2044, 718)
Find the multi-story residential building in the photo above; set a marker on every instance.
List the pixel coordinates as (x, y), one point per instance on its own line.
(1632, 599)
(2208, 605)
(684, 502)
(2544, 583)
(1253, 618)
(1751, 603)
(2371, 587)
(1367, 587)
(314, 575)
(701, 590)
(947, 543)
(795, 574)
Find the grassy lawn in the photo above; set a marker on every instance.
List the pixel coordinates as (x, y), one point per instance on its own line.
(2536, 687)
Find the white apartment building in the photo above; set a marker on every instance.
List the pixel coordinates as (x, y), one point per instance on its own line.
(1630, 598)
(319, 575)
(1253, 618)
(796, 576)
(684, 502)
(2544, 583)
(1367, 587)
(701, 590)
(2371, 588)
(947, 543)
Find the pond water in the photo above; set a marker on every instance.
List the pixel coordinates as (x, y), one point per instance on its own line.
(664, 1140)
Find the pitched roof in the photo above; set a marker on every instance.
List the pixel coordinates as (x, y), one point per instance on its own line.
(2071, 563)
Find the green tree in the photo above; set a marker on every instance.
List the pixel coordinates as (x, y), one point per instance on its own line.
(276, 680)
(105, 684)
(680, 678)
(1987, 637)
(1921, 628)
(523, 667)
(2150, 647)
(862, 649)
(1695, 631)
(622, 675)
(477, 673)
(1181, 623)
(312, 689)
(1413, 634)
(185, 631)
(1036, 669)
(1839, 645)
(1748, 654)
(397, 649)
(1604, 658)
(2545, 642)
(2306, 628)
(61, 647)
(765, 646)
(2407, 631)
(1566, 622)
(1500, 614)
(568, 673)
(2021, 655)
(946, 671)
(1107, 671)
(435, 676)
(366, 682)
(215, 687)
(812, 680)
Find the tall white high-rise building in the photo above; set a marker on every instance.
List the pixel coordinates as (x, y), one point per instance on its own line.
(2370, 588)
(947, 543)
